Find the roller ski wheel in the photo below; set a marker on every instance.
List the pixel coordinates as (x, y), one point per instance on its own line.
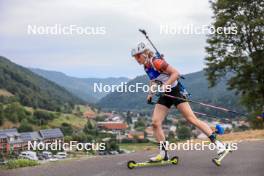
(174, 160)
(132, 164)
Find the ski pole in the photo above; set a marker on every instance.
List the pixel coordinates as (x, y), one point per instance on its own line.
(218, 127)
(157, 52)
(205, 104)
(203, 114)
(145, 34)
(195, 112)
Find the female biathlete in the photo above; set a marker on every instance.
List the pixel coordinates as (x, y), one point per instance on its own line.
(158, 69)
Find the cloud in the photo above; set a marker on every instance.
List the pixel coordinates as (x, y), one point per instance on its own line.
(102, 55)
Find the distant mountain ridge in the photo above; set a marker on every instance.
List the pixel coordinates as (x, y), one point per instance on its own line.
(195, 83)
(80, 87)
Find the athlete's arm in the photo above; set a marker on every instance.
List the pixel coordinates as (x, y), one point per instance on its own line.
(174, 75)
(164, 67)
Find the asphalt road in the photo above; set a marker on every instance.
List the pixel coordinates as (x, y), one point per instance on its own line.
(247, 160)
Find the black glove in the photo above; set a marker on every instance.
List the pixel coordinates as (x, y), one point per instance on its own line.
(149, 101)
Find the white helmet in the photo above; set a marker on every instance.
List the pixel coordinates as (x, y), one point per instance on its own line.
(139, 49)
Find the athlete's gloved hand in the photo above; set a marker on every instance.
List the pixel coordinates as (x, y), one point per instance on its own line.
(149, 99)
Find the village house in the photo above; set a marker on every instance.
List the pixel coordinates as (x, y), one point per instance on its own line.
(3, 143)
(117, 128)
(51, 135)
(12, 141)
(112, 126)
(30, 137)
(149, 132)
(135, 135)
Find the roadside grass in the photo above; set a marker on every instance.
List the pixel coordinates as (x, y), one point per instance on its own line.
(16, 163)
(236, 136)
(244, 135)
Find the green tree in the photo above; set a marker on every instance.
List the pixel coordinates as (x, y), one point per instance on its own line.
(90, 128)
(78, 111)
(128, 117)
(68, 139)
(25, 126)
(1, 114)
(183, 133)
(15, 112)
(255, 122)
(238, 53)
(140, 125)
(171, 136)
(42, 117)
(66, 129)
(100, 118)
(80, 137)
(112, 145)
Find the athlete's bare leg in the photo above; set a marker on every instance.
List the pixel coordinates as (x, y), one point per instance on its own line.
(159, 114)
(188, 114)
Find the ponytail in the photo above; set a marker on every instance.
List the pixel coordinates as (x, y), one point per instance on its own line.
(149, 53)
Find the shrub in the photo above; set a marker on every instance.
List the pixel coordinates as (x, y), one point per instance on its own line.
(25, 126)
(16, 163)
(184, 133)
(66, 129)
(42, 117)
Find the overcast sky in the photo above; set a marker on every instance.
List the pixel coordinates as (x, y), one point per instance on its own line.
(101, 55)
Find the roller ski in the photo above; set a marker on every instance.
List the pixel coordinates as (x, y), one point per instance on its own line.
(133, 164)
(222, 149)
(161, 159)
(222, 153)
